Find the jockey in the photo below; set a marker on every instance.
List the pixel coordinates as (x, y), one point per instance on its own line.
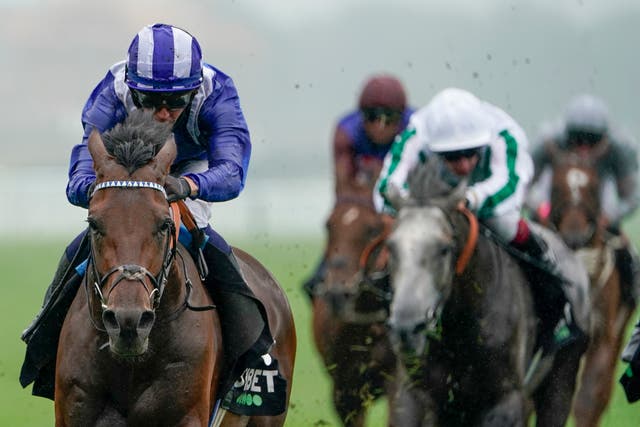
(164, 73)
(361, 140)
(586, 131)
(479, 142)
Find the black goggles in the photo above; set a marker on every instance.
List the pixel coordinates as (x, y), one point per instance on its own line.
(381, 113)
(170, 100)
(452, 156)
(581, 138)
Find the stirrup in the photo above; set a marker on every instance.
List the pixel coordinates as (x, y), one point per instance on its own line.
(565, 333)
(632, 346)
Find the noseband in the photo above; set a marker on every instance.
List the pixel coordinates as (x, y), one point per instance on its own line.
(134, 272)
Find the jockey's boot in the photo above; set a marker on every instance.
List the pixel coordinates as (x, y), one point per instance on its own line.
(243, 317)
(559, 327)
(632, 350)
(70, 258)
(311, 284)
(630, 380)
(628, 263)
(63, 265)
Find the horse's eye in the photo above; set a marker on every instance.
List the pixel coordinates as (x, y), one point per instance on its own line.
(166, 225)
(94, 227)
(444, 251)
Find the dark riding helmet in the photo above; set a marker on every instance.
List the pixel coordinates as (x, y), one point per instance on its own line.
(383, 91)
(164, 58)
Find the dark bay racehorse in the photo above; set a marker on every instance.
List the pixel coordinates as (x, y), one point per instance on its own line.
(141, 344)
(576, 215)
(351, 306)
(462, 321)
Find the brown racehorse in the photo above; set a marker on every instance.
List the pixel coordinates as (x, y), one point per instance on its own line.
(141, 344)
(350, 308)
(575, 214)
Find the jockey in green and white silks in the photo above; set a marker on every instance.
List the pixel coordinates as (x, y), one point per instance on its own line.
(497, 184)
(482, 144)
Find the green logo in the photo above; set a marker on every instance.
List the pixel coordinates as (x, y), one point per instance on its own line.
(248, 399)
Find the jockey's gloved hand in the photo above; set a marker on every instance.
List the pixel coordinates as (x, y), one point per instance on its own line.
(177, 188)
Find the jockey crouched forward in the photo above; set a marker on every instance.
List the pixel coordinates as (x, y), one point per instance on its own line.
(482, 144)
(361, 140)
(164, 72)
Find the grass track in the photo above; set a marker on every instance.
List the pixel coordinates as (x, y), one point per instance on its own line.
(27, 267)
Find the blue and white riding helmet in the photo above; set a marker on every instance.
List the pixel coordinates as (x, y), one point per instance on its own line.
(164, 58)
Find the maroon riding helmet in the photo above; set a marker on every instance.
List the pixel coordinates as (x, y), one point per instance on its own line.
(383, 91)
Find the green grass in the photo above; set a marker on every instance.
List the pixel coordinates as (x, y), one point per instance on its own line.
(27, 267)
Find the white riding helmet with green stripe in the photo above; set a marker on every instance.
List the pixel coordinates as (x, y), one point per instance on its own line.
(455, 120)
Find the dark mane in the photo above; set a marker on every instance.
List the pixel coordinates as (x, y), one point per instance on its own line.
(136, 140)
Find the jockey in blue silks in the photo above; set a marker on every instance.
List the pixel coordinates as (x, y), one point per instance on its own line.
(164, 72)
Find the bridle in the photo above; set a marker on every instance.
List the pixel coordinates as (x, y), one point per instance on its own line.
(138, 273)
(364, 281)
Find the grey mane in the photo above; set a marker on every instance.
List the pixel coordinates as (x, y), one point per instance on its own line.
(428, 188)
(136, 141)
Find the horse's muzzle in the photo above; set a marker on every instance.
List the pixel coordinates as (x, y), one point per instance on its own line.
(128, 330)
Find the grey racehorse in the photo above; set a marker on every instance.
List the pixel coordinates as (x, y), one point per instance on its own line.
(463, 323)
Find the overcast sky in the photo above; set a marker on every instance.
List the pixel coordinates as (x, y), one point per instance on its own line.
(299, 64)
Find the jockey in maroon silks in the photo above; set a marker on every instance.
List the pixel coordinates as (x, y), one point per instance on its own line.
(164, 72)
(361, 140)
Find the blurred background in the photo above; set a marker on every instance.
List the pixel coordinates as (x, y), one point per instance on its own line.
(298, 66)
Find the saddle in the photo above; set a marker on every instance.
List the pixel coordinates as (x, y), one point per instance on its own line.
(572, 277)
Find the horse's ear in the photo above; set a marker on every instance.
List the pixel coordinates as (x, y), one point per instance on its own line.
(396, 197)
(165, 157)
(97, 150)
(458, 193)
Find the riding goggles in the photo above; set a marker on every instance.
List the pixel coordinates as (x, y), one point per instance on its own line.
(169, 100)
(577, 138)
(452, 156)
(381, 113)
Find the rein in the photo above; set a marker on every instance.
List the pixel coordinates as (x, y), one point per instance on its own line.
(368, 250)
(472, 240)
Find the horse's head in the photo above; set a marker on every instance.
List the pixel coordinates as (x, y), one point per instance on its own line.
(355, 233)
(422, 251)
(575, 200)
(131, 228)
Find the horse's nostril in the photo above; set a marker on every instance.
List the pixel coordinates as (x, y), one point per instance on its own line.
(146, 320)
(109, 320)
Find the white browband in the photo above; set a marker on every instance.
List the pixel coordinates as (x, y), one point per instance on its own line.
(129, 184)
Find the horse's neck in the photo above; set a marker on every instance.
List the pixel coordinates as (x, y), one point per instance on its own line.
(482, 274)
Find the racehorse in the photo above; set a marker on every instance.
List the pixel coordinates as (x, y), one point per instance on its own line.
(141, 344)
(576, 215)
(462, 320)
(351, 306)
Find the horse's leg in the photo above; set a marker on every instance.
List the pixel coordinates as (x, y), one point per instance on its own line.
(510, 411)
(76, 402)
(594, 393)
(595, 385)
(348, 400)
(282, 326)
(553, 397)
(410, 406)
